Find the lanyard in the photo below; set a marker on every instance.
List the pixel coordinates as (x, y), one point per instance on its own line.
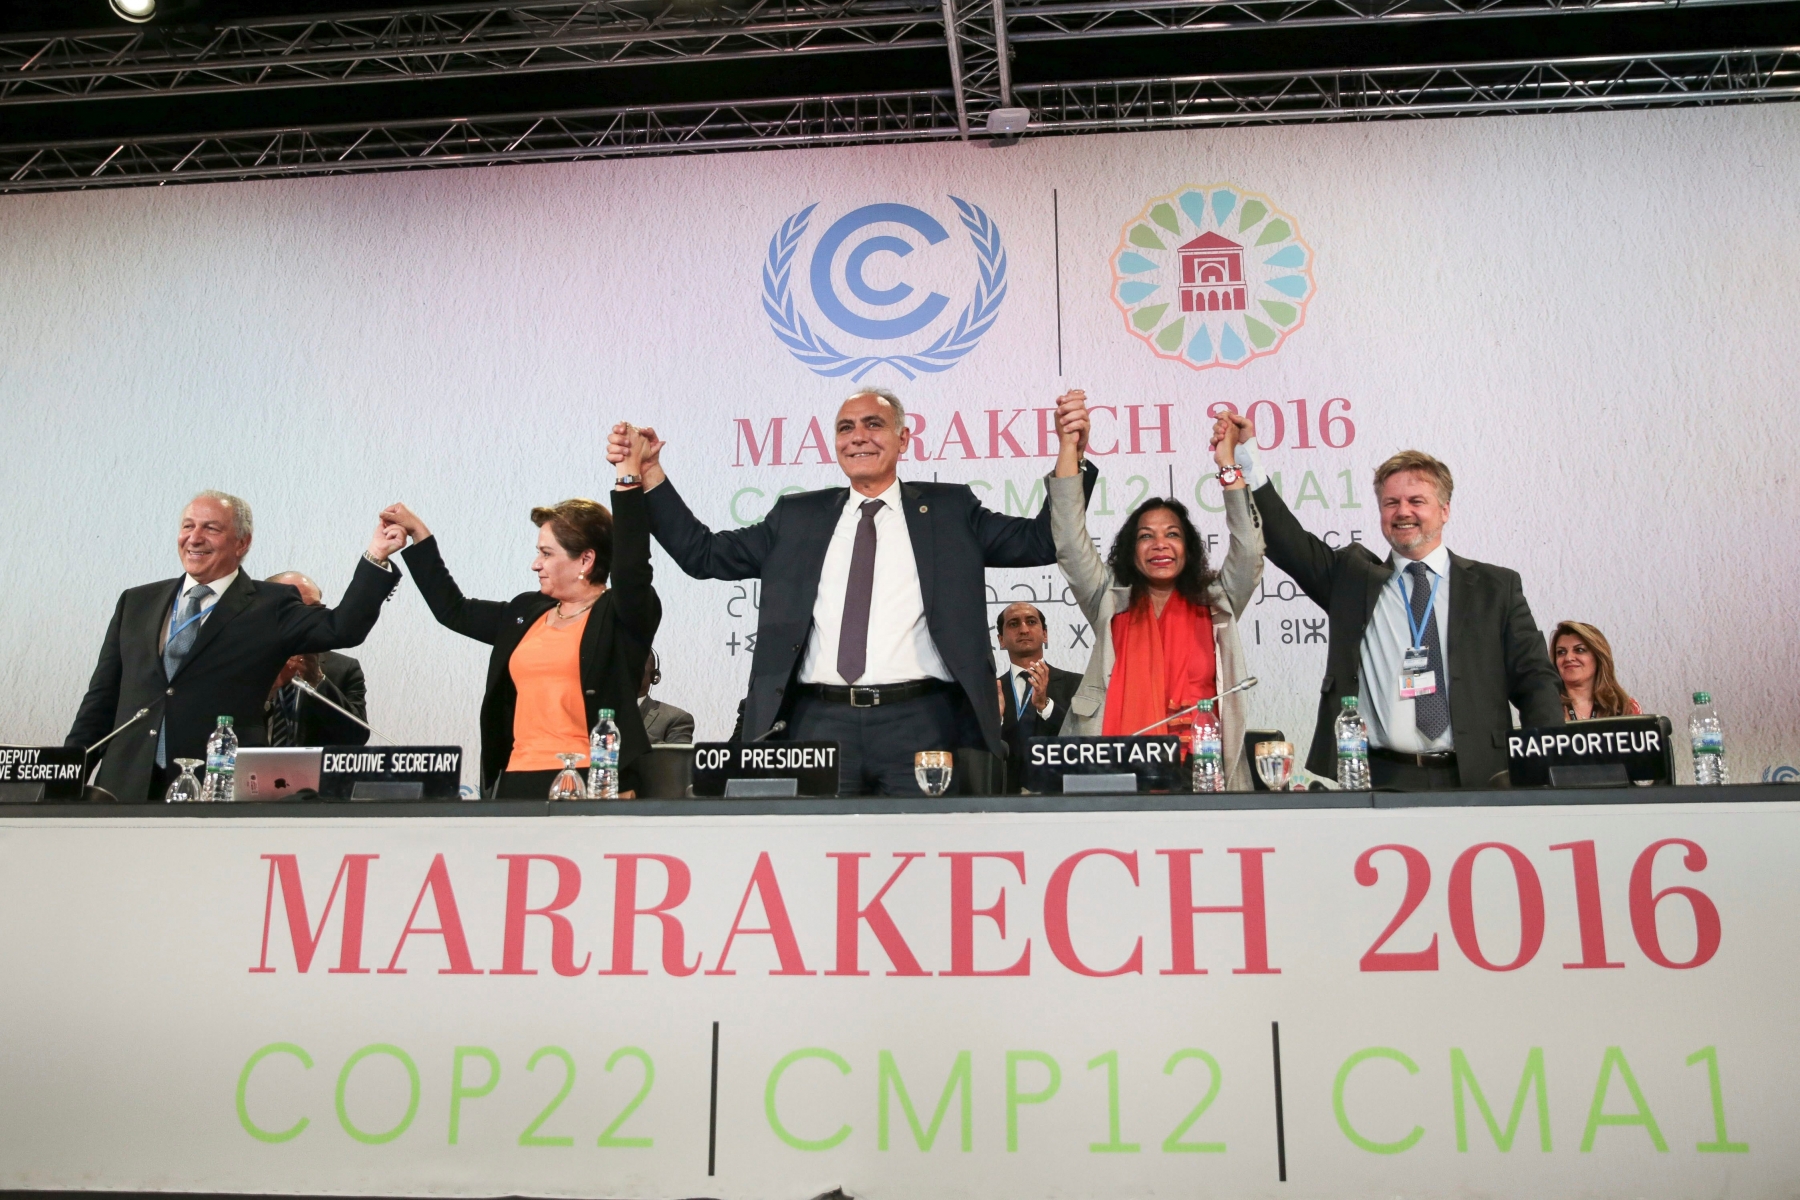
(174, 628)
(1418, 630)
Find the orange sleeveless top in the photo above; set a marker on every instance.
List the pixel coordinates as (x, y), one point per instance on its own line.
(551, 715)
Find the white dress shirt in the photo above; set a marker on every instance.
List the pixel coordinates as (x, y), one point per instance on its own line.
(1020, 681)
(1391, 720)
(900, 648)
(188, 584)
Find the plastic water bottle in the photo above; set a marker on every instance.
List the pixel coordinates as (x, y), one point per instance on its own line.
(1352, 749)
(1708, 739)
(221, 763)
(1209, 770)
(603, 757)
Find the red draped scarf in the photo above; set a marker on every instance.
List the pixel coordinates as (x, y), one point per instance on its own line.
(1160, 665)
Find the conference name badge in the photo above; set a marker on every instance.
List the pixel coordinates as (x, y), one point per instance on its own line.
(1416, 676)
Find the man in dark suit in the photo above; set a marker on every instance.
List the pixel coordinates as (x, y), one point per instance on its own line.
(1034, 696)
(210, 644)
(663, 722)
(1437, 648)
(297, 719)
(873, 626)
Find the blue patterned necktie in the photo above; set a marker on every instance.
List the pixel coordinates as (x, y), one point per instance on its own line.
(1431, 713)
(181, 643)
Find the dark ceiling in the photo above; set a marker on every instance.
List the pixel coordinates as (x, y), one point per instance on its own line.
(1283, 37)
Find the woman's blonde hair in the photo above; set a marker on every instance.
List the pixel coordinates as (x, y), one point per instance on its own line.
(1610, 700)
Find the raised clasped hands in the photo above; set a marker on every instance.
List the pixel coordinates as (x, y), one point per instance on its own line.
(1230, 431)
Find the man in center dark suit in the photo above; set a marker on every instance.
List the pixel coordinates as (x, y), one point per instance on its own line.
(1034, 696)
(873, 626)
(1437, 648)
(209, 644)
(298, 719)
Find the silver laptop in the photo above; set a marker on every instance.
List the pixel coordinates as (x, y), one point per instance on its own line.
(276, 772)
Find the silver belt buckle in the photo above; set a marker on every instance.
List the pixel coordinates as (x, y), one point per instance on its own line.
(873, 693)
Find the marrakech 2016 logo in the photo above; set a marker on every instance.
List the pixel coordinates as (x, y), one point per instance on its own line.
(880, 321)
(1212, 276)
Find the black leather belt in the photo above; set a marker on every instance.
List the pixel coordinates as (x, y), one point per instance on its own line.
(1438, 761)
(873, 697)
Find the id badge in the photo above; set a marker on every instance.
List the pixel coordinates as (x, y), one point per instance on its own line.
(1416, 676)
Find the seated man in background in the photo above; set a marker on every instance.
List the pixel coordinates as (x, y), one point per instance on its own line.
(297, 719)
(1437, 648)
(663, 722)
(1034, 696)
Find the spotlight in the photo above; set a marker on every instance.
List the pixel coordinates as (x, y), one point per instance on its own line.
(135, 11)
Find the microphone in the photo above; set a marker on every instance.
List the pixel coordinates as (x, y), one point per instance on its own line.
(772, 730)
(314, 692)
(1245, 685)
(134, 719)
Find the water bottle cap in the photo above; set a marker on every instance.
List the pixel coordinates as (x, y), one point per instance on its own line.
(1702, 697)
(603, 714)
(224, 721)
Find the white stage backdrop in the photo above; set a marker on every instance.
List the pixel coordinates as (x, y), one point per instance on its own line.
(1540, 1004)
(1589, 317)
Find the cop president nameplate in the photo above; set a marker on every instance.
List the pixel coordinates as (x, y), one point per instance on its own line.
(32, 773)
(1156, 761)
(812, 765)
(391, 773)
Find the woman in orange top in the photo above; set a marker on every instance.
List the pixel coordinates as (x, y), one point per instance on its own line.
(563, 652)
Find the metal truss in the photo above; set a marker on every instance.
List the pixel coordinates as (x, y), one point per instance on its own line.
(552, 137)
(447, 41)
(1242, 99)
(1524, 86)
(460, 40)
(980, 65)
(1064, 20)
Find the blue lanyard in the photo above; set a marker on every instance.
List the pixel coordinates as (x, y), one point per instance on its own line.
(1418, 630)
(174, 628)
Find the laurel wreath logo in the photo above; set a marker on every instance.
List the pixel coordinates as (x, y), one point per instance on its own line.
(823, 358)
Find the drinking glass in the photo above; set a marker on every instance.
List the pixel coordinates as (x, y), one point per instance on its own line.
(187, 785)
(1275, 763)
(568, 785)
(933, 769)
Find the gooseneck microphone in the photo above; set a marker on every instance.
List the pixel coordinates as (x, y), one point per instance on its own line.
(1245, 685)
(316, 694)
(139, 715)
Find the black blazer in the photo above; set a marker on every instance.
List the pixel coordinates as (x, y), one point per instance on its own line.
(614, 644)
(244, 642)
(954, 540)
(318, 724)
(1496, 654)
(1016, 728)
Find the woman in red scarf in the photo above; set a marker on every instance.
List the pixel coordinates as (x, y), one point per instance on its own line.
(1167, 623)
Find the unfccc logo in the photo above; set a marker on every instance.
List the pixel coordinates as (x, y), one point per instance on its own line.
(1212, 276)
(853, 278)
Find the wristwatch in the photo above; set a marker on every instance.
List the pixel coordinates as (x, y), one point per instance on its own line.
(628, 481)
(1230, 475)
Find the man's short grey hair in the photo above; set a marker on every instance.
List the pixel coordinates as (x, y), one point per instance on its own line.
(893, 402)
(242, 524)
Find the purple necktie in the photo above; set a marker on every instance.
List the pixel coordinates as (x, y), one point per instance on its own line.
(853, 634)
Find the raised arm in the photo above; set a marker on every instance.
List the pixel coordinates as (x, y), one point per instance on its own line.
(307, 630)
(697, 550)
(478, 619)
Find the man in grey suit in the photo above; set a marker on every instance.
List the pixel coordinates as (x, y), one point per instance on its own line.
(663, 722)
(1437, 648)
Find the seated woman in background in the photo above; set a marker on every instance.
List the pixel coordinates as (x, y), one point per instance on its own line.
(1165, 626)
(564, 651)
(1584, 662)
